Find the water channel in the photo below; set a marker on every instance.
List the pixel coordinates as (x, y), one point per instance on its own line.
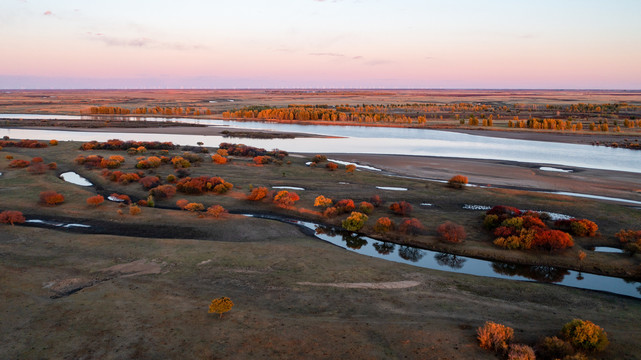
(370, 140)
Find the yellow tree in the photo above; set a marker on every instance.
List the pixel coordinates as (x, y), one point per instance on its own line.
(220, 305)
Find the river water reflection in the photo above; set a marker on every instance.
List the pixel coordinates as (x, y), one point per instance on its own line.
(375, 140)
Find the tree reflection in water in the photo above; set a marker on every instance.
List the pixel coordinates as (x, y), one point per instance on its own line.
(541, 273)
(450, 260)
(410, 253)
(353, 241)
(384, 248)
(628, 281)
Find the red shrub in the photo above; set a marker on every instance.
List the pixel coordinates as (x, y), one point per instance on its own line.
(402, 208)
(123, 197)
(331, 166)
(149, 182)
(163, 191)
(504, 210)
(345, 206)
(37, 159)
(376, 201)
(37, 168)
(451, 232)
(552, 239)
(18, 164)
(51, 198)
(194, 207)
(411, 226)
(182, 203)
(11, 217)
(95, 200)
(218, 159)
(330, 212)
(52, 166)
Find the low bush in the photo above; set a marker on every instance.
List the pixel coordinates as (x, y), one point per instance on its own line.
(585, 335)
(495, 337)
(451, 232)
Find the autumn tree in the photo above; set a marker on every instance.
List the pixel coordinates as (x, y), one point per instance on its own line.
(344, 206)
(350, 168)
(457, 182)
(216, 211)
(258, 193)
(322, 201)
(193, 207)
(585, 335)
(51, 198)
(331, 166)
(95, 200)
(220, 306)
(355, 221)
(402, 208)
(365, 207)
(134, 210)
(411, 226)
(494, 337)
(218, 159)
(286, 198)
(383, 225)
(181, 203)
(11, 217)
(451, 232)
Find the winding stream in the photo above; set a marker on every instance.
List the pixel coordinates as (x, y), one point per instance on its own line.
(462, 264)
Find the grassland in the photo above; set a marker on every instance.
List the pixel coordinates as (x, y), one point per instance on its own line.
(63, 297)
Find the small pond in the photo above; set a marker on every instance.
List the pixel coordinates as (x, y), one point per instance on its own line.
(289, 188)
(391, 188)
(608, 249)
(74, 178)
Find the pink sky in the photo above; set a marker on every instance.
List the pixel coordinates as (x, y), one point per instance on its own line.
(312, 43)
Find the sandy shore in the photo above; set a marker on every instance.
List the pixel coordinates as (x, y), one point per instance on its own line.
(516, 175)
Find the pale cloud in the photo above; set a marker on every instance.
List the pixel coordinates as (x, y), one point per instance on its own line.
(326, 54)
(142, 42)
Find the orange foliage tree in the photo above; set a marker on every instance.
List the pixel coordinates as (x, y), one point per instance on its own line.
(322, 201)
(331, 166)
(383, 225)
(163, 191)
(134, 210)
(194, 207)
(286, 198)
(11, 217)
(457, 181)
(219, 159)
(95, 200)
(350, 168)
(220, 306)
(344, 206)
(216, 211)
(182, 203)
(51, 198)
(258, 193)
(494, 337)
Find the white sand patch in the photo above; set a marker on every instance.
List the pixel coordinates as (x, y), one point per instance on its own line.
(135, 268)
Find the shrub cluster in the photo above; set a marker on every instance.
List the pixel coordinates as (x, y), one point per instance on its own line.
(286, 198)
(451, 232)
(203, 184)
(402, 208)
(578, 227)
(116, 144)
(631, 239)
(516, 230)
(99, 162)
(31, 144)
(250, 151)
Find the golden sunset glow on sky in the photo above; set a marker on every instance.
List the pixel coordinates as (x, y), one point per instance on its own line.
(312, 43)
